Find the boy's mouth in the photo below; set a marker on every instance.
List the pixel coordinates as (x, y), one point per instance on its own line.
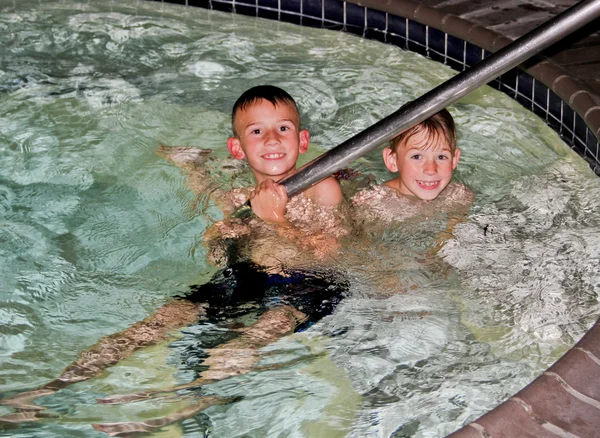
(428, 185)
(273, 156)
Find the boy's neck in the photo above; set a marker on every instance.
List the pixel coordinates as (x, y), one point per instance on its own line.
(395, 184)
(260, 178)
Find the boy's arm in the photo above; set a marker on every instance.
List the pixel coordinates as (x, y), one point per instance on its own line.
(269, 201)
(221, 240)
(200, 179)
(184, 156)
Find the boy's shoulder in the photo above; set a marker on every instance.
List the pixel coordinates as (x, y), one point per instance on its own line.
(458, 194)
(382, 202)
(326, 193)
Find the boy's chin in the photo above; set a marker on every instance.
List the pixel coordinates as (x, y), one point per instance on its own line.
(425, 195)
(277, 174)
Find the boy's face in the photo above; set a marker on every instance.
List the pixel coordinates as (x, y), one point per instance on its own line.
(269, 138)
(424, 163)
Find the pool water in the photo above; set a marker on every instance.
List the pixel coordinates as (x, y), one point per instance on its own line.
(97, 231)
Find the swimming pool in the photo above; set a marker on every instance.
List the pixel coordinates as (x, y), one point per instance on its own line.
(98, 231)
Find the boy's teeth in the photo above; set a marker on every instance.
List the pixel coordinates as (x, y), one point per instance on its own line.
(273, 155)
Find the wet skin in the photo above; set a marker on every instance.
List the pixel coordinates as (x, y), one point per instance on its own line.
(269, 137)
(424, 164)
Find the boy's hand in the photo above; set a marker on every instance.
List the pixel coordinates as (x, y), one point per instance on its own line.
(268, 201)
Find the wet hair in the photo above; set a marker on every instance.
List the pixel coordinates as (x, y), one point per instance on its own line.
(252, 96)
(440, 125)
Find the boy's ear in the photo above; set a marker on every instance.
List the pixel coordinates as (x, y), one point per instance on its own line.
(455, 158)
(235, 148)
(304, 141)
(389, 159)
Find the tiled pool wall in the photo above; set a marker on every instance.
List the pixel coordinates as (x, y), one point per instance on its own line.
(374, 19)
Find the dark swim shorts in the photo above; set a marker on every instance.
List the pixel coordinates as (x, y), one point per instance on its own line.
(245, 288)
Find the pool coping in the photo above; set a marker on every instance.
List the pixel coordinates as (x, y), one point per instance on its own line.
(553, 76)
(544, 88)
(565, 399)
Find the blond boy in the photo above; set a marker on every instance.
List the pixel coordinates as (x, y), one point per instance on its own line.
(424, 158)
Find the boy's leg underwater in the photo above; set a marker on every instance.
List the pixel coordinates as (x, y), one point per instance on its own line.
(126, 428)
(109, 351)
(232, 358)
(235, 357)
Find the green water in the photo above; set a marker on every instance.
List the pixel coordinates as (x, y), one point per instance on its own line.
(97, 231)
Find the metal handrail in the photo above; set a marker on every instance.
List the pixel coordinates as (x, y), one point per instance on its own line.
(443, 95)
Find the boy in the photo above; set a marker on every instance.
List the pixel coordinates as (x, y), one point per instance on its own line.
(267, 134)
(424, 156)
(421, 196)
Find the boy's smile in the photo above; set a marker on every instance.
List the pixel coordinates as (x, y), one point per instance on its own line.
(424, 164)
(269, 138)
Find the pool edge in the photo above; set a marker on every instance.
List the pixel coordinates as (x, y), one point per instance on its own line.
(552, 75)
(562, 401)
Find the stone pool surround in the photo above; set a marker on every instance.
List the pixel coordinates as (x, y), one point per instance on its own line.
(565, 399)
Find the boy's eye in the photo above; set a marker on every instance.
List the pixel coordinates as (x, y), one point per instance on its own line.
(255, 131)
(415, 156)
(284, 128)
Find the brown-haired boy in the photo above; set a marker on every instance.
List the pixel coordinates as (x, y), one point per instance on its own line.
(267, 134)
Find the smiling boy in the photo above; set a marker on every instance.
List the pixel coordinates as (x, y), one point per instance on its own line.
(267, 134)
(261, 286)
(424, 157)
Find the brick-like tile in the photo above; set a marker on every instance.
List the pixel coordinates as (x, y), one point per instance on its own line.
(510, 420)
(578, 369)
(585, 71)
(579, 55)
(466, 432)
(581, 101)
(593, 119)
(591, 341)
(552, 403)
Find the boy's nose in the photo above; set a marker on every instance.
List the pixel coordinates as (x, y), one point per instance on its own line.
(429, 167)
(272, 138)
